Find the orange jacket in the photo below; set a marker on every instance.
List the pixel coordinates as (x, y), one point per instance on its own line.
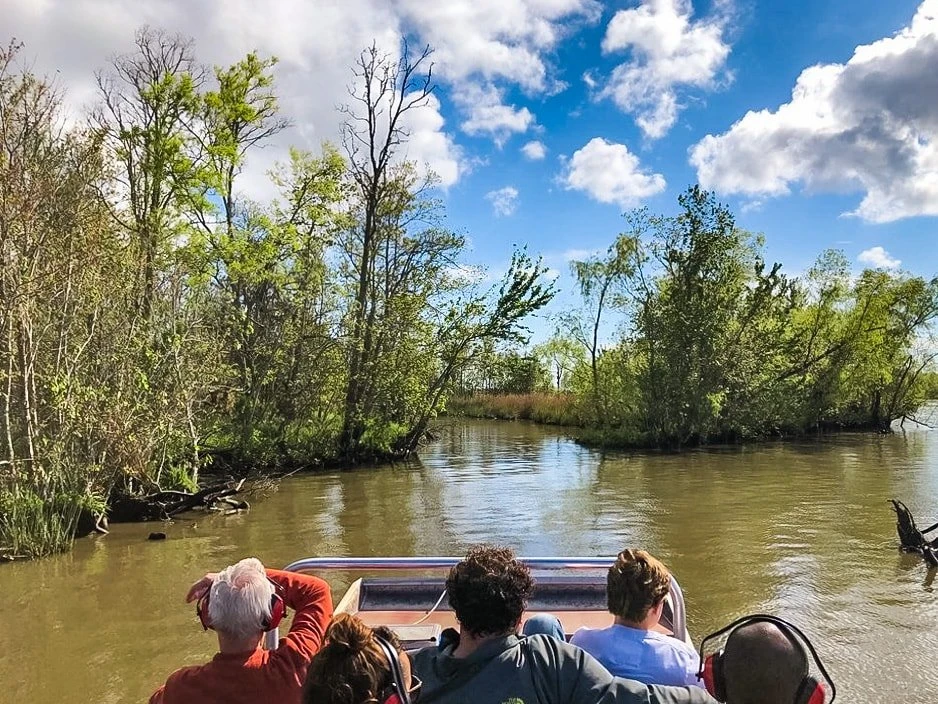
(261, 676)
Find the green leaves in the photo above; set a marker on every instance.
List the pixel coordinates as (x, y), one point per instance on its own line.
(722, 346)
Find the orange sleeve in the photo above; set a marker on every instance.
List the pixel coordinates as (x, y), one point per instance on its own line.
(311, 598)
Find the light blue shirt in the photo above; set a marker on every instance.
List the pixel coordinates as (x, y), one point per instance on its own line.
(646, 656)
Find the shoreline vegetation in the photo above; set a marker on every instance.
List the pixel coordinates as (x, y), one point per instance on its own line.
(160, 329)
(560, 410)
(158, 326)
(684, 336)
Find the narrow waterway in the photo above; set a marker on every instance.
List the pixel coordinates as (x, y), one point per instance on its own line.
(800, 530)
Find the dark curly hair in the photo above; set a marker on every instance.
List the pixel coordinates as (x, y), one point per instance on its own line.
(489, 591)
(636, 583)
(350, 668)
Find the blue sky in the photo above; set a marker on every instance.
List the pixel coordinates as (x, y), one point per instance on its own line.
(772, 43)
(627, 102)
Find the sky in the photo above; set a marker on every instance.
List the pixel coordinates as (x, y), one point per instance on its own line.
(815, 120)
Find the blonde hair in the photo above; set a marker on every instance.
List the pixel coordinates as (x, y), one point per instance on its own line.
(636, 583)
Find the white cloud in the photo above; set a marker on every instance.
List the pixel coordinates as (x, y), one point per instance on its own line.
(579, 255)
(429, 144)
(535, 151)
(498, 43)
(504, 200)
(497, 39)
(869, 125)
(610, 173)
(668, 50)
(487, 114)
(879, 258)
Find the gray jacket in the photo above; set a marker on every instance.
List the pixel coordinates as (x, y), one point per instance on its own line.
(534, 670)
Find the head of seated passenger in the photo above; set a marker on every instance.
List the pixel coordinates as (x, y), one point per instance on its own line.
(489, 591)
(634, 646)
(352, 668)
(762, 665)
(636, 586)
(237, 605)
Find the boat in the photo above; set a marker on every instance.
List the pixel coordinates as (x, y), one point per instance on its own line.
(415, 607)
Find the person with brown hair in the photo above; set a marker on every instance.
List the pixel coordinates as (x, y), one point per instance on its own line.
(359, 664)
(636, 587)
(488, 663)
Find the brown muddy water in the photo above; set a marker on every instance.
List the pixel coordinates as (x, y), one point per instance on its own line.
(801, 530)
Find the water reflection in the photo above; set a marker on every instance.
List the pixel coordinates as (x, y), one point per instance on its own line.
(802, 530)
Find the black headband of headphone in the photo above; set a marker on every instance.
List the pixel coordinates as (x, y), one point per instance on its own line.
(792, 631)
(397, 672)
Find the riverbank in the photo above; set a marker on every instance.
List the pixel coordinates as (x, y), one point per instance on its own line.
(567, 410)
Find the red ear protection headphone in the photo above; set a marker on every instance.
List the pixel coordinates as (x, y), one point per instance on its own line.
(277, 610)
(400, 693)
(810, 691)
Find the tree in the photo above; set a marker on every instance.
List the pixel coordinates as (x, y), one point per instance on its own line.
(387, 90)
(561, 355)
(601, 282)
(60, 314)
(149, 100)
(410, 325)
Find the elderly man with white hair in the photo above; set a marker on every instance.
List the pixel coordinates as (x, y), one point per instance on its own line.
(240, 603)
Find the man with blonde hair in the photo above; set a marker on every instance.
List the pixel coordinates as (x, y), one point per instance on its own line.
(240, 604)
(633, 646)
(486, 662)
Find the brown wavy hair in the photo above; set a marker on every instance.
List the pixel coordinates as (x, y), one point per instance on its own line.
(350, 668)
(489, 590)
(636, 583)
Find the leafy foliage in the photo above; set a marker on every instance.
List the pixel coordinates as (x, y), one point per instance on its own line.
(155, 322)
(717, 345)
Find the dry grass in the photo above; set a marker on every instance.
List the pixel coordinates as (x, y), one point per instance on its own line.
(541, 407)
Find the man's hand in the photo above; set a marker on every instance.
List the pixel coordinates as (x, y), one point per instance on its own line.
(200, 588)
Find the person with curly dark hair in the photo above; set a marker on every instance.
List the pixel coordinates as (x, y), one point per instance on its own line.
(636, 587)
(354, 666)
(487, 662)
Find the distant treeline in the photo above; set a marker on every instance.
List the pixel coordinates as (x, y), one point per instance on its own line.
(715, 345)
(155, 322)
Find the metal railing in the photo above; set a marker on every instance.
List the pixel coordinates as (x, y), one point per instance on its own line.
(429, 563)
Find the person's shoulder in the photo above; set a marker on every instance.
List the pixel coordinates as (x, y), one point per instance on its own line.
(675, 645)
(589, 635)
(177, 682)
(425, 656)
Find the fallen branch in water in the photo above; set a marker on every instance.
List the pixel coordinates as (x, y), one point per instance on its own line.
(912, 539)
(163, 505)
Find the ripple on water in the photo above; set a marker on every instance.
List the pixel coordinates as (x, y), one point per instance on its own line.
(799, 529)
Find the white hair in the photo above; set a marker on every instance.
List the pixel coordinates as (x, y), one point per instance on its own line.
(239, 601)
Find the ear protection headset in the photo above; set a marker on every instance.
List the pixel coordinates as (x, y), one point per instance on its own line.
(277, 610)
(400, 693)
(810, 691)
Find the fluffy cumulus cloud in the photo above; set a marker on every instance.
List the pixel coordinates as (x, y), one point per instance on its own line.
(504, 200)
(495, 44)
(668, 50)
(879, 258)
(535, 151)
(870, 125)
(497, 39)
(488, 115)
(610, 173)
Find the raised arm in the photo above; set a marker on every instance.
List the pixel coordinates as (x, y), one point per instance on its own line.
(311, 599)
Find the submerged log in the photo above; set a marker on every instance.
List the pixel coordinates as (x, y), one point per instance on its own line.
(911, 539)
(163, 505)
